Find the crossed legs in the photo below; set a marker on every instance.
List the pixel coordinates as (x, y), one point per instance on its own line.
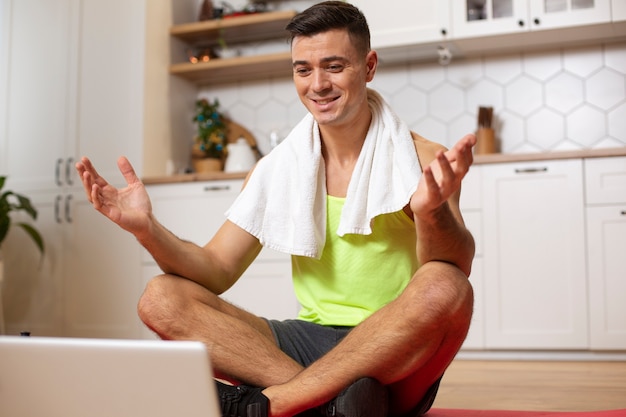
(406, 345)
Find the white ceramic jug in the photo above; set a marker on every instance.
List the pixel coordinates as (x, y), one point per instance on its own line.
(240, 157)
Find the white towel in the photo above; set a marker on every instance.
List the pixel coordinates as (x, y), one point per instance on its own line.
(284, 202)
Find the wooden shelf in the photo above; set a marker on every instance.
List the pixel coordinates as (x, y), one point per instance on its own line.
(240, 29)
(246, 28)
(227, 70)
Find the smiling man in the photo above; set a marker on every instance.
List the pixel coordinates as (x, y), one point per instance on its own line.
(369, 212)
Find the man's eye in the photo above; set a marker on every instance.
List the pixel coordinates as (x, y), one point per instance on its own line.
(302, 71)
(334, 68)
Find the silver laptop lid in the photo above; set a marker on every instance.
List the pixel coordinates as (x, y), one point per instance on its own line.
(64, 377)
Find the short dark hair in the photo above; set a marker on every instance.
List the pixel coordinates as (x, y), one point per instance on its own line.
(329, 15)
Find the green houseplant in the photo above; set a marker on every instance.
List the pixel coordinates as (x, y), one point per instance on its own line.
(10, 201)
(210, 142)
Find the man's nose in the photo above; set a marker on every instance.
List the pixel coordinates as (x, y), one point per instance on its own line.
(321, 80)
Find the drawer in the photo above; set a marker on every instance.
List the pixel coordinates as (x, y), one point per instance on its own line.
(605, 180)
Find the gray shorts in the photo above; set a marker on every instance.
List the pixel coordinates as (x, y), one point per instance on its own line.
(307, 342)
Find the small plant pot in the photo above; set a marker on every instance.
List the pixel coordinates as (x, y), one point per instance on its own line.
(206, 164)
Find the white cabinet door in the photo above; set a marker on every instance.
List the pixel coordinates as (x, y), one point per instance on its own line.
(471, 207)
(491, 17)
(5, 35)
(476, 336)
(266, 289)
(110, 79)
(494, 17)
(88, 282)
(40, 47)
(618, 10)
(75, 75)
(33, 285)
(102, 275)
(551, 14)
(605, 180)
(606, 231)
(534, 256)
(405, 22)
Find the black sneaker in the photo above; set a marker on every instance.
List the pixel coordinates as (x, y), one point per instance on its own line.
(242, 401)
(364, 398)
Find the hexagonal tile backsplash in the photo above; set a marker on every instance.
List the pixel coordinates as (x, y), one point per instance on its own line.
(574, 98)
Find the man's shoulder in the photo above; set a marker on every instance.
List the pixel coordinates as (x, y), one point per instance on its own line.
(426, 149)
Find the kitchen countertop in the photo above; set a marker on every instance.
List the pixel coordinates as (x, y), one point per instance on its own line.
(478, 160)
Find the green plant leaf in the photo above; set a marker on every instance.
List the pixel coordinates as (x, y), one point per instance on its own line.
(5, 222)
(24, 204)
(34, 234)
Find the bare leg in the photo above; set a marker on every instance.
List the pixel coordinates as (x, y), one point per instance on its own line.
(241, 345)
(407, 344)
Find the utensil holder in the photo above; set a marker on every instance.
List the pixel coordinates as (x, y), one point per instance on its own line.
(485, 141)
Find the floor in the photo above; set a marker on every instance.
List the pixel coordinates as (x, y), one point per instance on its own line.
(533, 385)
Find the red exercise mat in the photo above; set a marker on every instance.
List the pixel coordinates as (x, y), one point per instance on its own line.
(449, 412)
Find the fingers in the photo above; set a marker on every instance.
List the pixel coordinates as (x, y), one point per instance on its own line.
(94, 197)
(85, 169)
(127, 170)
(450, 168)
(433, 188)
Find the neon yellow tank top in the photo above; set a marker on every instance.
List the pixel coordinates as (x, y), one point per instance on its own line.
(357, 274)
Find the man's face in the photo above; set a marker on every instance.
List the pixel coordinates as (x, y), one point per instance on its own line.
(331, 77)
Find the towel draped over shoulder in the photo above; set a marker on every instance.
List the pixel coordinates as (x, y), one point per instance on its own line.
(284, 202)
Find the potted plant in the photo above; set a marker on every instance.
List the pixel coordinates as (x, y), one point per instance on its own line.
(210, 143)
(10, 201)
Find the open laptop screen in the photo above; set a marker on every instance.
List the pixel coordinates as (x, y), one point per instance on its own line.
(65, 377)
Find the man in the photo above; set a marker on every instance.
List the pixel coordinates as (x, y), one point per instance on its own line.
(380, 252)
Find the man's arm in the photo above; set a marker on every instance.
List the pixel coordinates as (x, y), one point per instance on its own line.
(441, 232)
(216, 266)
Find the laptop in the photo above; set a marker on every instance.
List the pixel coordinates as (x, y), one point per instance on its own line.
(65, 377)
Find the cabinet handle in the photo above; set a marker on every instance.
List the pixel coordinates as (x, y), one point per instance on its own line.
(444, 31)
(57, 209)
(537, 21)
(68, 200)
(217, 188)
(530, 170)
(68, 171)
(520, 23)
(57, 172)
(623, 212)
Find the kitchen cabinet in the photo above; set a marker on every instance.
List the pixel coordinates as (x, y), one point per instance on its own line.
(102, 275)
(86, 284)
(497, 17)
(87, 101)
(408, 22)
(33, 284)
(618, 10)
(37, 102)
(471, 208)
(194, 212)
(605, 181)
(534, 256)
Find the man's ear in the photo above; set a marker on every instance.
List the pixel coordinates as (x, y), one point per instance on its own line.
(371, 62)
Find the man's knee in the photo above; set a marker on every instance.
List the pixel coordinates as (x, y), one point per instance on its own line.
(446, 293)
(158, 307)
